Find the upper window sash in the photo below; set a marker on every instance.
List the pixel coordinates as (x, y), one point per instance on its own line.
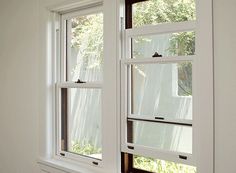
(158, 29)
(65, 37)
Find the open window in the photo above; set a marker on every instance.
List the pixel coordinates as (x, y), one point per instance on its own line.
(157, 86)
(79, 86)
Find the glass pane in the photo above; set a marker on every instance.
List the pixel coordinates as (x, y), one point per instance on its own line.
(171, 44)
(161, 166)
(163, 90)
(81, 129)
(162, 136)
(152, 12)
(85, 49)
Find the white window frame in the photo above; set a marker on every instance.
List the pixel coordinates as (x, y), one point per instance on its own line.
(110, 120)
(63, 84)
(201, 93)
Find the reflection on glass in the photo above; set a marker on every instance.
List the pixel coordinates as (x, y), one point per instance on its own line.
(161, 166)
(85, 49)
(172, 44)
(153, 12)
(163, 90)
(162, 136)
(83, 110)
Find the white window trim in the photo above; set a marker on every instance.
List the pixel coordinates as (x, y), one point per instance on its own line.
(204, 66)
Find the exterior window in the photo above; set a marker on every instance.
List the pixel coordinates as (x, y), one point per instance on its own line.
(157, 85)
(79, 89)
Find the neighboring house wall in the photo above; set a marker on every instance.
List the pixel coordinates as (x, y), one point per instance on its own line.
(23, 84)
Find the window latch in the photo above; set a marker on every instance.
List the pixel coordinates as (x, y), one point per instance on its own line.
(95, 163)
(159, 118)
(80, 81)
(156, 54)
(183, 157)
(130, 147)
(62, 154)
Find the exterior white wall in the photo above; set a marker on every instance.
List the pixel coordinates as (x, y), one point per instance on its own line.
(23, 79)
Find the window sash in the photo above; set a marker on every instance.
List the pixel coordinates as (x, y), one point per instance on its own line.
(126, 61)
(65, 37)
(79, 85)
(59, 150)
(160, 120)
(160, 29)
(125, 116)
(157, 153)
(156, 60)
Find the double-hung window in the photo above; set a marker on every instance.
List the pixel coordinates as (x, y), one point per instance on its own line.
(158, 85)
(79, 87)
(147, 100)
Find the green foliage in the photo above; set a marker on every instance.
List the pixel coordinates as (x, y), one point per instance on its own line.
(87, 38)
(85, 148)
(161, 11)
(182, 43)
(161, 166)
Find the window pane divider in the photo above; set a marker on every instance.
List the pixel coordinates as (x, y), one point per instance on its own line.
(165, 120)
(151, 60)
(161, 154)
(161, 29)
(80, 85)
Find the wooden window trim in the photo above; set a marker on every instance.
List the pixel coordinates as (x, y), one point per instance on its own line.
(127, 159)
(64, 118)
(127, 164)
(128, 12)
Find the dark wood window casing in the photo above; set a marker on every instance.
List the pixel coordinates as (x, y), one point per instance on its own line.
(126, 158)
(127, 164)
(128, 12)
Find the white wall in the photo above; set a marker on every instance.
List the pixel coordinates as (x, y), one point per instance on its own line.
(22, 78)
(19, 86)
(225, 85)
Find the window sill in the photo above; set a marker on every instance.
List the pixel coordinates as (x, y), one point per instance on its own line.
(55, 165)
